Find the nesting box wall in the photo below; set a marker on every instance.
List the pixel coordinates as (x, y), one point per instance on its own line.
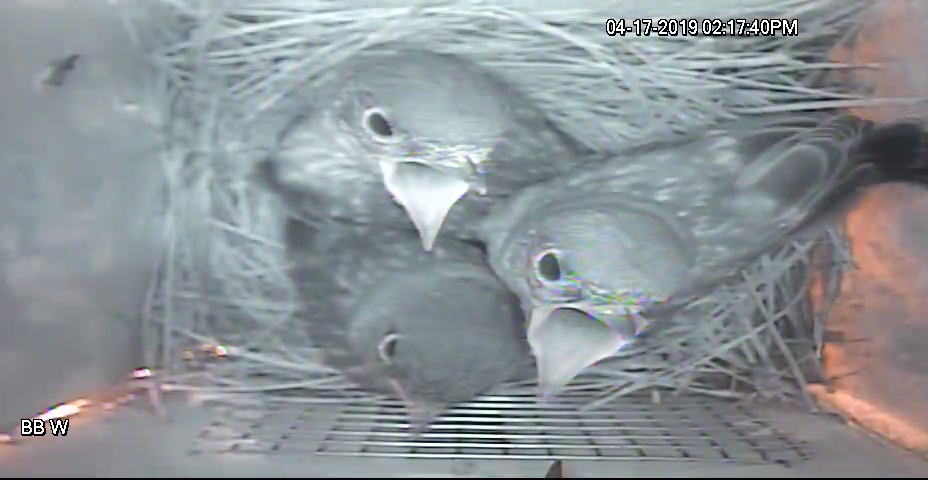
(891, 47)
(876, 355)
(78, 147)
(75, 153)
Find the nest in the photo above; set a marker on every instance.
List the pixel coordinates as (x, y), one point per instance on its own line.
(222, 283)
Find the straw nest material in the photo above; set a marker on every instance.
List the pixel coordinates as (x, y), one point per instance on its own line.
(220, 65)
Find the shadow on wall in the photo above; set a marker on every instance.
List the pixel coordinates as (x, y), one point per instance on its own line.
(76, 159)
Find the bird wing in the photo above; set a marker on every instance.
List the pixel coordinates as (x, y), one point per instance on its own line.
(726, 196)
(668, 222)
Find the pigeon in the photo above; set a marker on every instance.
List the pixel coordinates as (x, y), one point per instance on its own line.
(433, 329)
(409, 134)
(597, 257)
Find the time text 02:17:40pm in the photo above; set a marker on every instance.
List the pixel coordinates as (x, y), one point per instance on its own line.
(708, 27)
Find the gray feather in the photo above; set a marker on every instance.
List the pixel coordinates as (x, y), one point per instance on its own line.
(669, 220)
(460, 329)
(431, 101)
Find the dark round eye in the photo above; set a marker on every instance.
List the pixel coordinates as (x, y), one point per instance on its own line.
(548, 267)
(387, 347)
(377, 124)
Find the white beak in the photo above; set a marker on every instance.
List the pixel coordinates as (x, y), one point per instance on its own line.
(426, 193)
(566, 341)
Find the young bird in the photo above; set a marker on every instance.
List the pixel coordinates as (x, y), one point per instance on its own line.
(410, 134)
(595, 255)
(432, 329)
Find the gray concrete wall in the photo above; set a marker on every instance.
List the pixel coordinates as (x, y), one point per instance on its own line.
(75, 163)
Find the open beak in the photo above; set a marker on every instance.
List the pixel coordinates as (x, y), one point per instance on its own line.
(567, 339)
(426, 192)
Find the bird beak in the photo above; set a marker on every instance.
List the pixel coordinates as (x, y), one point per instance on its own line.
(426, 192)
(567, 339)
(421, 414)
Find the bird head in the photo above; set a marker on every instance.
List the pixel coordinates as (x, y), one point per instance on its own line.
(443, 333)
(587, 268)
(425, 122)
(573, 323)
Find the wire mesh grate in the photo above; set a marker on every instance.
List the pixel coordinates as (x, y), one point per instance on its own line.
(511, 427)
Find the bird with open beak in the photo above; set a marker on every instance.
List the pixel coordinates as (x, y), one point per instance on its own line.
(599, 256)
(432, 329)
(411, 134)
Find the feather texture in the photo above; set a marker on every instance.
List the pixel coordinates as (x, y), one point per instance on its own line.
(432, 328)
(657, 226)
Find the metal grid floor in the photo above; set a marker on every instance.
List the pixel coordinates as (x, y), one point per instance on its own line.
(510, 427)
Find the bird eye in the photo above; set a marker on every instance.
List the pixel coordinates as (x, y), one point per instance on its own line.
(376, 123)
(548, 266)
(387, 347)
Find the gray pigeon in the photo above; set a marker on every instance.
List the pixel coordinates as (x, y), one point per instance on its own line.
(595, 255)
(433, 329)
(407, 135)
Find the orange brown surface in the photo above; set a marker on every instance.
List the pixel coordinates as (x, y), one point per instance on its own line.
(892, 48)
(879, 367)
